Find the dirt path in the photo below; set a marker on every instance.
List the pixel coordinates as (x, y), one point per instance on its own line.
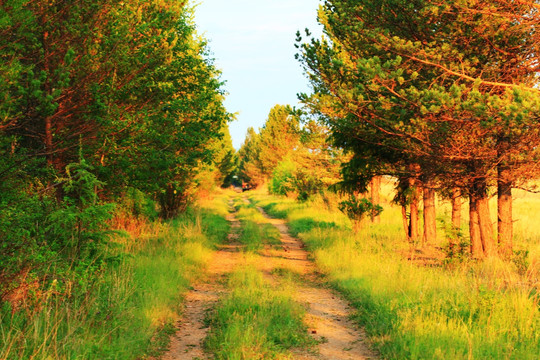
(327, 314)
(187, 342)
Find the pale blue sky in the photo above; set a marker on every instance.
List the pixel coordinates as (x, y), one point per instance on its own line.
(253, 44)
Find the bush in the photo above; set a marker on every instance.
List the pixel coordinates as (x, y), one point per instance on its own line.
(283, 181)
(138, 204)
(39, 234)
(356, 209)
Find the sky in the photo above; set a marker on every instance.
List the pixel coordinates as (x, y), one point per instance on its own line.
(252, 42)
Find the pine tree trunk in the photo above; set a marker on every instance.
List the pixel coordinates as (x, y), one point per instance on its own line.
(486, 226)
(375, 197)
(481, 206)
(49, 141)
(406, 222)
(52, 158)
(504, 213)
(430, 215)
(169, 203)
(413, 221)
(48, 135)
(456, 208)
(477, 250)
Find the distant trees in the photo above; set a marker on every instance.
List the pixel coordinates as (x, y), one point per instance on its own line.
(260, 153)
(250, 166)
(313, 165)
(441, 95)
(278, 137)
(292, 159)
(224, 164)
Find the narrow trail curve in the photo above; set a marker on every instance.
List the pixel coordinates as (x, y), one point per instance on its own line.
(327, 314)
(187, 342)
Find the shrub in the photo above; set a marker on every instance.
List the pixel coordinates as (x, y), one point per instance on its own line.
(282, 181)
(356, 209)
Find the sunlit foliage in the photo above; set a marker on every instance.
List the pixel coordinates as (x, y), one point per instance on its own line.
(439, 94)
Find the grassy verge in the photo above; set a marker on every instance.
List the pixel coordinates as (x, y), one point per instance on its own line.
(126, 308)
(485, 310)
(256, 321)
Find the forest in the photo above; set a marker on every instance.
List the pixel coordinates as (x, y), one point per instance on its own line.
(393, 214)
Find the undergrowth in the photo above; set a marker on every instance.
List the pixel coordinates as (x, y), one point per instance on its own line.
(123, 309)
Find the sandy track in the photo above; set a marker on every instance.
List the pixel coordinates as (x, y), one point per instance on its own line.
(327, 313)
(187, 342)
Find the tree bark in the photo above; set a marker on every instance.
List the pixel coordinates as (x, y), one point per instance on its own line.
(456, 208)
(408, 198)
(477, 250)
(413, 221)
(405, 222)
(48, 139)
(172, 202)
(375, 197)
(48, 130)
(485, 226)
(430, 215)
(504, 213)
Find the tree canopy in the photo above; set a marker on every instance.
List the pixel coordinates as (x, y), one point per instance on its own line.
(127, 86)
(261, 152)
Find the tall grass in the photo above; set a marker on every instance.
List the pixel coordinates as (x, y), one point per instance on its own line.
(527, 225)
(256, 321)
(485, 310)
(128, 308)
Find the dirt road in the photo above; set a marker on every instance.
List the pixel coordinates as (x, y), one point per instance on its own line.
(327, 314)
(187, 342)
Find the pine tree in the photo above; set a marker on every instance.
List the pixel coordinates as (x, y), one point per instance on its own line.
(278, 136)
(129, 85)
(444, 88)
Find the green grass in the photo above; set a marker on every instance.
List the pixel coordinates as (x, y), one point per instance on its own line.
(255, 232)
(256, 321)
(127, 309)
(486, 310)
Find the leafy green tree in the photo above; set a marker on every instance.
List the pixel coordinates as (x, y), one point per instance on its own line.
(128, 82)
(224, 163)
(278, 136)
(261, 153)
(283, 180)
(312, 167)
(225, 159)
(249, 154)
(98, 98)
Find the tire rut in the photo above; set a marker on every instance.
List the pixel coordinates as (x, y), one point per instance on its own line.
(187, 343)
